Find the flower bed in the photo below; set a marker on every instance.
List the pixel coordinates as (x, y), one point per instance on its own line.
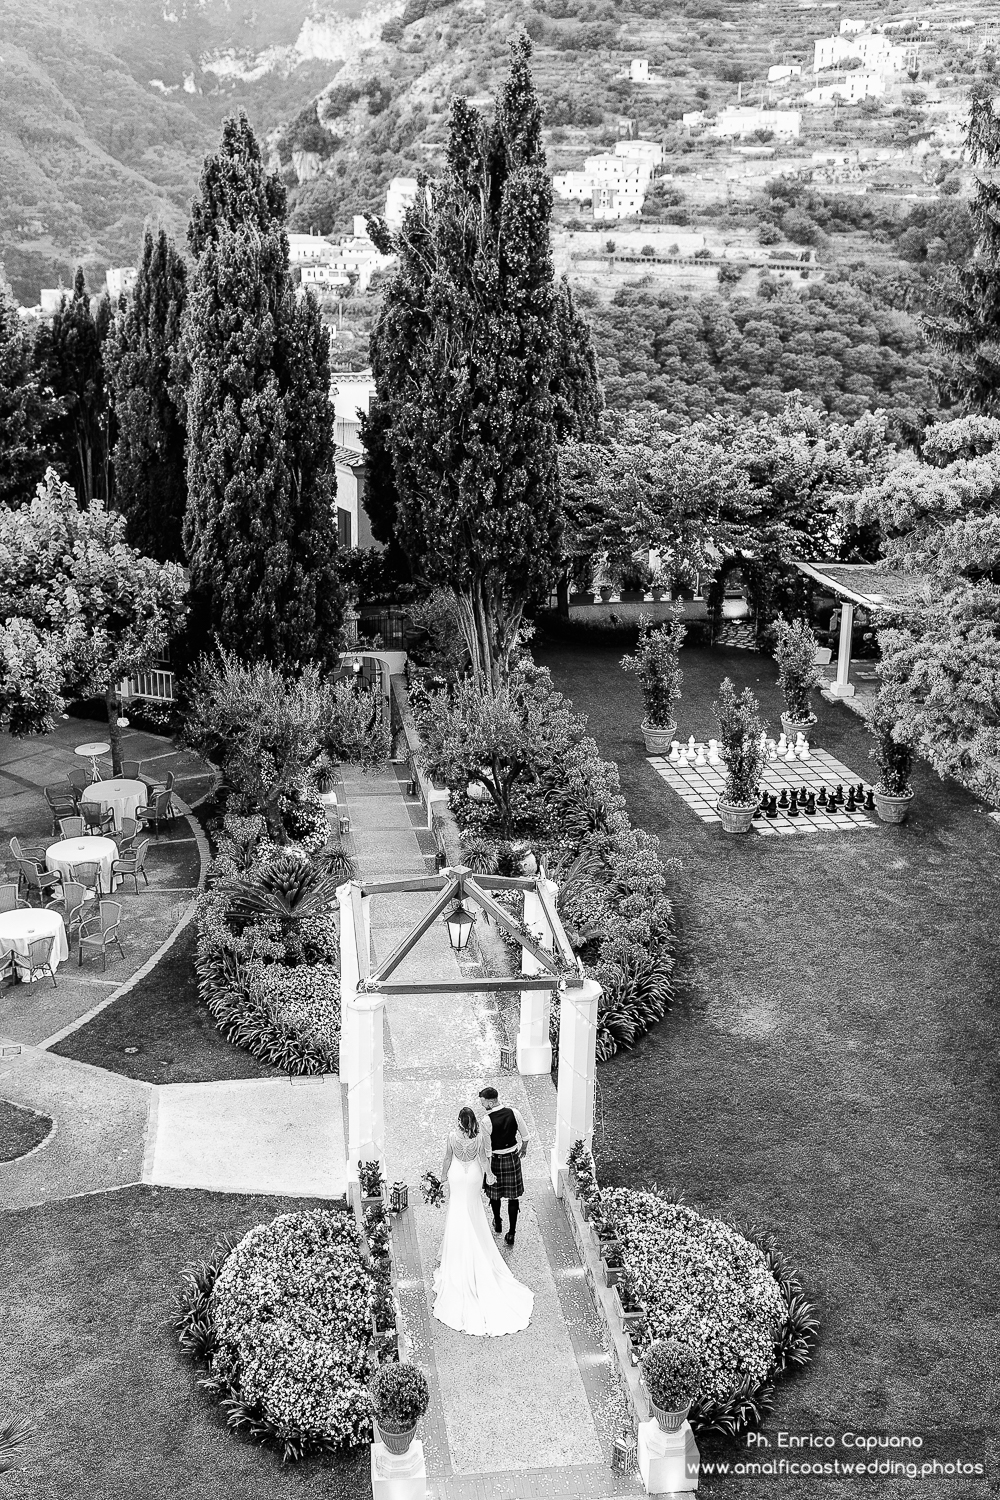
(283, 1323)
(268, 955)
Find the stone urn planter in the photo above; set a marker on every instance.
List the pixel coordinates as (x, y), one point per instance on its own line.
(736, 817)
(892, 809)
(667, 1421)
(401, 1397)
(606, 593)
(795, 727)
(670, 1375)
(657, 737)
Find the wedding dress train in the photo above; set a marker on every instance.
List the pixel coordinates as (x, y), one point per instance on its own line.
(476, 1291)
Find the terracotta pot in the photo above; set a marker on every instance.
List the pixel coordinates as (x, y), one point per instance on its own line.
(892, 809)
(606, 593)
(658, 737)
(735, 819)
(793, 727)
(396, 1440)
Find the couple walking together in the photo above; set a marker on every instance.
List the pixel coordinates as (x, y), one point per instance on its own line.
(476, 1291)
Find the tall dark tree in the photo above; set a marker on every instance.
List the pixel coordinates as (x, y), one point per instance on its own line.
(969, 329)
(235, 191)
(27, 409)
(260, 527)
(141, 356)
(71, 363)
(465, 353)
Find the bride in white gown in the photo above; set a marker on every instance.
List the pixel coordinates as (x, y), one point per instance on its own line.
(476, 1291)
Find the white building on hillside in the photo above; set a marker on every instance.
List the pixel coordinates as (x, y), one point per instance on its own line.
(638, 71)
(849, 27)
(650, 152)
(324, 278)
(401, 194)
(618, 202)
(351, 394)
(120, 280)
(573, 186)
(741, 120)
(872, 50)
(851, 88)
(782, 72)
(306, 248)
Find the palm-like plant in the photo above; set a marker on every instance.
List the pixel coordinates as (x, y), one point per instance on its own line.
(289, 887)
(13, 1438)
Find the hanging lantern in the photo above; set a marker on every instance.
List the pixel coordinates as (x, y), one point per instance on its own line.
(460, 924)
(398, 1197)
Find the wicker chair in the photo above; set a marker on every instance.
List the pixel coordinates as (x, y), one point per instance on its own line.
(7, 970)
(88, 874)
(132, 864)
(36, 879)
(78, 780)
(100, 819)
(9, 899)
(97, 932)
(156, 787)
(32, 852)
(161, 810)
(132, 770)
(126, 836)
(71, 828)
(38, 962)
(76, 903)
(62, 804)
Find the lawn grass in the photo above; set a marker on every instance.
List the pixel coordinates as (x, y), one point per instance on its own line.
(21, 1130)
(163, 1018)
(829, 1069)
(90, 1356)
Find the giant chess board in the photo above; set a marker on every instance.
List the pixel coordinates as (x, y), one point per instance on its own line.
(700, 785)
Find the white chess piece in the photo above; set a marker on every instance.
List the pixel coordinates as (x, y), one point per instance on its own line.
(682, 758)
(772, 750)
(699, 759)
(675, 751)
(782, 744)
(803, 750)
(714, 758)
(691, 745)
(790, 753)
(800, 738)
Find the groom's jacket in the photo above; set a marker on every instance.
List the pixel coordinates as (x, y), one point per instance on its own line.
(503, 1129)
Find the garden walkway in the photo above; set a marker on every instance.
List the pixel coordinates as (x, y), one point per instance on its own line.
(527, 1415)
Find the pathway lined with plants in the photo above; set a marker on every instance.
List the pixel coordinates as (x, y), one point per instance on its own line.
(529, 1405)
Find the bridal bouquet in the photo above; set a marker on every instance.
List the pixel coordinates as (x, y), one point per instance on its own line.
(432, 1189)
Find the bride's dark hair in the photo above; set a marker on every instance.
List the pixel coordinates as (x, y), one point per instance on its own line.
(467, 1120)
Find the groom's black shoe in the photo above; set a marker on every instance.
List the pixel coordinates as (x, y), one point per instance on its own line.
(509, 1239)
(497, 1226)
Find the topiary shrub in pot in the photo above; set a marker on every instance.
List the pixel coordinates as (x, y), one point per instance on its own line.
(795, 648)
(892, 752)
(671, 1377)
(401, 1397)
(741, 732)
(657, 665)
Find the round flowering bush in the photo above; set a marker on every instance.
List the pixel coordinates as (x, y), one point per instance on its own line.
(703, 1284)
(306, 998)
(293, 1351)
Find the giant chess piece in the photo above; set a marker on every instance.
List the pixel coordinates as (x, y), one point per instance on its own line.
(782, 743)
(714, 758)
(772, 750)
(869, 800)
(838, 796)
(811, 805)
(691, 746)
(790, 753)
(682, 756)
(771, 810)
(859, 792)
(852, 806)
(783, 799)
(821, 800)
(699, 759)
(675, 751)
(793, 804)
(803, 750)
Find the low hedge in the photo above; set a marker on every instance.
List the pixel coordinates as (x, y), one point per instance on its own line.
(282, 1324)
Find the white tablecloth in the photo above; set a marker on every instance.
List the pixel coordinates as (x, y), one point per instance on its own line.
(89, 850)
(19, 928)
(122, 796)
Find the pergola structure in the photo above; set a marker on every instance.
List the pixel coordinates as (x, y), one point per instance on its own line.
(547, 963)
(871, 586)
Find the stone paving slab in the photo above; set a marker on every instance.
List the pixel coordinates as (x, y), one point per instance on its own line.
(258, 1135)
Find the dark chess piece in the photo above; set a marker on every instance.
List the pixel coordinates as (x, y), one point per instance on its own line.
(822, 797)
(771, 810)
(859, 792)
(793, 804)
(838, 795)
(811, 805)
(852, 806)
(783, 799)
(869, 800)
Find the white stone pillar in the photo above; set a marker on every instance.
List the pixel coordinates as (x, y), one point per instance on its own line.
(365, 1056)
(399, 1476)
(577, 1068)
(669, 1462)
(348, 974)
(844, 687)
(534, 1050)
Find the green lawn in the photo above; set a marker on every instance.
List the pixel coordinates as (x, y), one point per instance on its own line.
(21, 1130)
(89, 1355)
(829, 1069)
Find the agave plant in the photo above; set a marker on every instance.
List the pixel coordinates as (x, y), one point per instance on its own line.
(289, 886)
(13, 1438)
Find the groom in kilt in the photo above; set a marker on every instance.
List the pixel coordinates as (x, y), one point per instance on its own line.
(507, 1136)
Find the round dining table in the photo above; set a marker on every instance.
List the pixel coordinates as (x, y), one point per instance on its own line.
(121, 795)
(20, 928)
(63, 856)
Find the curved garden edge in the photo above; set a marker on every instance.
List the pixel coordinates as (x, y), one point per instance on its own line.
(13, 1119)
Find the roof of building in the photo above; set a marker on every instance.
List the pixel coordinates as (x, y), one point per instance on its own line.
(872, 585)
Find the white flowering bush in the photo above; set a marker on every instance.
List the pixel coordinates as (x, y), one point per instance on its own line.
(306, 997)
(292, 1352)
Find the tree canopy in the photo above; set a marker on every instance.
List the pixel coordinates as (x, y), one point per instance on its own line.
(71, 361)
(27, 409)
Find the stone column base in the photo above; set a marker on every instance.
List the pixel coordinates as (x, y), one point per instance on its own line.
(668, 1461)
(534, 1058)
(399, 1476)
(841, 689)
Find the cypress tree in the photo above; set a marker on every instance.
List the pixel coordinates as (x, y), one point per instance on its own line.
(27, 410)
(465, 353)
(142, 357)
(260, 527)
(71, 363)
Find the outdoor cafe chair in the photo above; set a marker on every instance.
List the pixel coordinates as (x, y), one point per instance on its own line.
(20, 852)
(132, 864)
(87, 874)
(97, 817)
(132, 770)
(37, 880)
(62, 804)
(126, 836)
(39, 960)
(96, 933)
(9, 898)
(7, 967)
(71, 828)
(78, 780)
(76, 903)
(157, 787)
(161, 810)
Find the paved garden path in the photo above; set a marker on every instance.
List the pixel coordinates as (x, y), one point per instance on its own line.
(528, 1414)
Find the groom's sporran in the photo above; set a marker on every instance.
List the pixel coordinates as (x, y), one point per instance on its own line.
(505, 1128)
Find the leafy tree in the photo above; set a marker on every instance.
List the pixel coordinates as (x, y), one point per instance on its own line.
(234, 190)
(142, 357)
(79, 609)
(260, 527)
(969, 330)
(939, 515)
(465, 357)
(27, 409)
(71, 363)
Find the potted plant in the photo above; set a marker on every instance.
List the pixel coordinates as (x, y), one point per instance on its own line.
(670, 1374)
(660, 584)
(611, 1264)
(799, 674)
(626, 1299)
(740, 734)
(370, 1180)
(401, 1396)
(894, 758)
(326, 780)
(657, 664)
(637, 576)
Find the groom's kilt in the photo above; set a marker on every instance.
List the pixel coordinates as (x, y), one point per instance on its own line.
(507, 1171)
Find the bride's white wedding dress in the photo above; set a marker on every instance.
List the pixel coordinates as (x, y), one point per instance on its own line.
(476, 1291)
